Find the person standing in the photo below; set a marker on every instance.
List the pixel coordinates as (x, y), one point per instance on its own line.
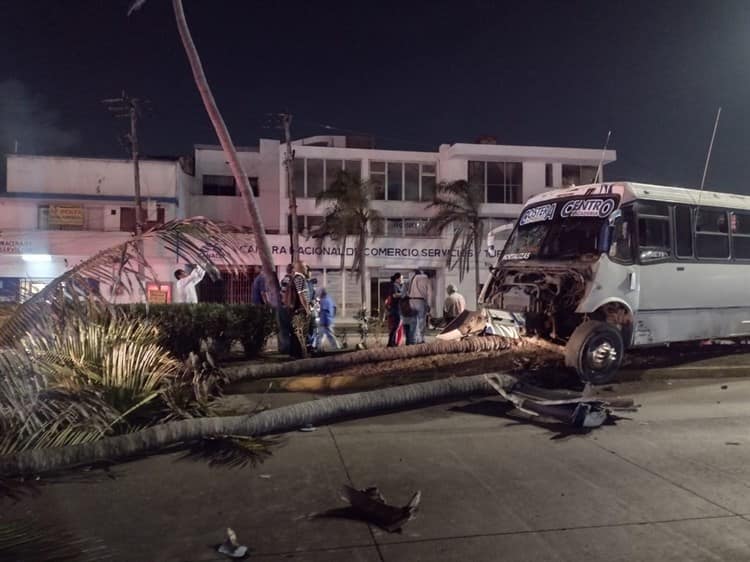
(184, 288)
(327, 315)
(394, 314)
(285, 320)
(258, 292)
(454, 304)
(298, 307)
(420, 296)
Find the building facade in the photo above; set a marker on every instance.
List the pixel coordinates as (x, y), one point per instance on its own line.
(68, 208)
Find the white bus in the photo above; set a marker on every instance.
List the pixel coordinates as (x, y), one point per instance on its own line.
(607, 267)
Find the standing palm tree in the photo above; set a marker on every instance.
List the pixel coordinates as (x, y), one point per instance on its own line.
(458, 205)
(349, 215)
(240, 177)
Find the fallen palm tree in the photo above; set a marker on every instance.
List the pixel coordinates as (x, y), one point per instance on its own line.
(523, 346)
(274, 421)
(278, 420)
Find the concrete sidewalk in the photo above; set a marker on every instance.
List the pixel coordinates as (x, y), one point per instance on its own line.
(664, 486)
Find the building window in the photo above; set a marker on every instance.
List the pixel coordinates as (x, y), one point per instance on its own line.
(548, 177)
(502, 181)
(394, 227)
(415, 227)
(225, 185)
(306, 224)
(403, 181)
(398, 228)
(313, 175)
(573, 174)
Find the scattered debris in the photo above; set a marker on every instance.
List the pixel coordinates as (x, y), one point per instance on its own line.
(732, 443)
(308, 427)
(577, 410)
(231, 547)
(370, 505)
(264, 476)
(724, 387)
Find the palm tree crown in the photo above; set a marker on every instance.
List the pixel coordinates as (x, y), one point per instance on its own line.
(458, 204)
(349, 214)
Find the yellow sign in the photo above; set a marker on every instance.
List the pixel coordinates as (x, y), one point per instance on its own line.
(158, 297)
(65, 215)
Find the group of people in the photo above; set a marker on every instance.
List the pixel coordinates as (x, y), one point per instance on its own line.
(408, 306)
(306, 320)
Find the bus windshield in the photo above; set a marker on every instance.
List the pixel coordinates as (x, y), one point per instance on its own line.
(563, 230)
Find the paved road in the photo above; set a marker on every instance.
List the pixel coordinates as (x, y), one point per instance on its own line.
(670, 484)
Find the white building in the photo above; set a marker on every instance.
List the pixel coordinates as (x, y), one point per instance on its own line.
(68, 208)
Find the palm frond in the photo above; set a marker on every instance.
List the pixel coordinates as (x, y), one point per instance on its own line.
(234, 451)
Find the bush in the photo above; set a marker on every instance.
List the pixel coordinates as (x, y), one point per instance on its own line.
(185, 326)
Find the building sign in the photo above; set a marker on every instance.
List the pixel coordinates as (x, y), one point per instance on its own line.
(15, 246)
(404, 249)
(65, 215)
(159, 293)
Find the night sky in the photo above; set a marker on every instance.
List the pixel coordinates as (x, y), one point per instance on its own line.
(413, 74)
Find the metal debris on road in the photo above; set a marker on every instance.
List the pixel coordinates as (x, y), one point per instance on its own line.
(231, 547)
(370, 505)
(577, 410)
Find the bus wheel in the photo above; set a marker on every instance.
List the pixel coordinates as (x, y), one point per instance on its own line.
(595, 351)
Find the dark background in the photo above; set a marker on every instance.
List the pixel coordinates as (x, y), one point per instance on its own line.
(413, 74)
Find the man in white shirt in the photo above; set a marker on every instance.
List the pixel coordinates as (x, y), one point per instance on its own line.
(454, 304)
(420, 297)
(184, 288)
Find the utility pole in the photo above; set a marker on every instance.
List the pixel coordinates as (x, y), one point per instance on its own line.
(286, 121)
(127, 107)
(130, 108)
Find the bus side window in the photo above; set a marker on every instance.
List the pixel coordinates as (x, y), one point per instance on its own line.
(712, 234)
(683, 231)
(741, 235)
(654, 239)
(621, 248)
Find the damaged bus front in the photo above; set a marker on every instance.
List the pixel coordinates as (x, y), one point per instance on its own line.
(560, 275)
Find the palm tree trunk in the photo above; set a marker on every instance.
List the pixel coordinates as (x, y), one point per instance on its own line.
(273, 421)
(264, 248)
(477, 248)
(363, 282)
(523, 347)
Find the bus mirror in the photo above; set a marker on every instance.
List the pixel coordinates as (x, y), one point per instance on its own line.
(614, 216)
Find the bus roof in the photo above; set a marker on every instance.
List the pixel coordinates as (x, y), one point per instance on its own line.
(630, 191)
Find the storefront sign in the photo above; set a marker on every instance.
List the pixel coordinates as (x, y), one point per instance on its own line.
(159, 293)
(15, 246)
(65, 215)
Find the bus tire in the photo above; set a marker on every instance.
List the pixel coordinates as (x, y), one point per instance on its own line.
(595, 351)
